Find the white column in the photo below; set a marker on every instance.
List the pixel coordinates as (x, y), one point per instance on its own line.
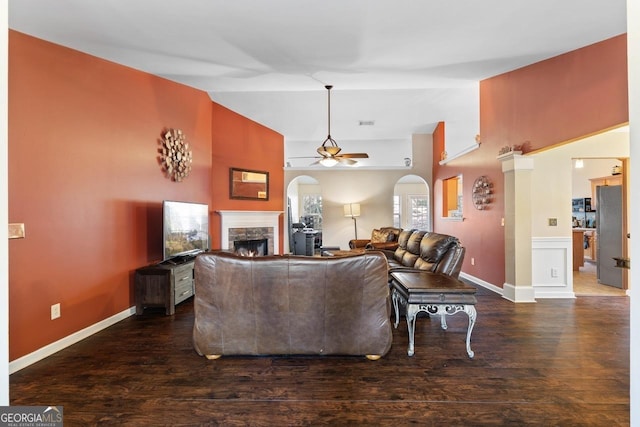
(517, 227)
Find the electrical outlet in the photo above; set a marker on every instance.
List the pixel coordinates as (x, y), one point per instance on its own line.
(554, 272)
(55, 311)
(473, 261)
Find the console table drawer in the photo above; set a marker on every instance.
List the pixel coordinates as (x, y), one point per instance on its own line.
(183, 290)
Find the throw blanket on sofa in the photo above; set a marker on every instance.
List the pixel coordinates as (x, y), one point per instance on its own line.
(287, 305)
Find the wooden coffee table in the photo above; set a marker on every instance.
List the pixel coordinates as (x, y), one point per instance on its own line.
(435, 294)
(342, 252)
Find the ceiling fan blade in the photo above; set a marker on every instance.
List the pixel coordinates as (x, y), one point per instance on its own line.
(304, 157)
(346, 161)
(355, 155)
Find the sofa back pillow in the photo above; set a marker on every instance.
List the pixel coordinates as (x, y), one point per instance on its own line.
(379, 236)
(410, 257)
(394, 232)
(433, 248)
(403, 239)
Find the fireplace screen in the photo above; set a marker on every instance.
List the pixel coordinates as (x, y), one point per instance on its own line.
(255, 247)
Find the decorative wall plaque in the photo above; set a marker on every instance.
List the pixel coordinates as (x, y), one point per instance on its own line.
(481, 192)
(175, 156)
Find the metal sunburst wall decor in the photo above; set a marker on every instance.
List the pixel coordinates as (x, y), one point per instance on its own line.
(175, 156)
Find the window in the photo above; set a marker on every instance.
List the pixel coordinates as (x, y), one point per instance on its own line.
(312, 211)
(418, 207)
(452, 197)
(396, 211)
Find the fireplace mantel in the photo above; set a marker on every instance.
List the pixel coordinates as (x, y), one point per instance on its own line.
(239, 219)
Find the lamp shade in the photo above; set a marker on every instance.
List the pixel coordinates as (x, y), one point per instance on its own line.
(352, 209)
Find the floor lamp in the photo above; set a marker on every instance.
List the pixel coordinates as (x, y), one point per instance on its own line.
(353, 210)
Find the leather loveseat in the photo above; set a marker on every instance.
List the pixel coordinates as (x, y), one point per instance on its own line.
(291, 305)
(423, 250)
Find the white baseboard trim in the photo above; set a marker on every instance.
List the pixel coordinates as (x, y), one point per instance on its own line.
(480, 282)
(518, 293)
(555, 294)
(67, 341)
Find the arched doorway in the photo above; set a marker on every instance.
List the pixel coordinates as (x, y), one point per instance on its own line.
(304, 214)
(412, 203)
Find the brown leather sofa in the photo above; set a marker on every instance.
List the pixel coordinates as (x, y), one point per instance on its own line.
(381, 238)
(423, 250)
(291, 305)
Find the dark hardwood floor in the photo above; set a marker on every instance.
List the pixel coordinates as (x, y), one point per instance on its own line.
(554, 362)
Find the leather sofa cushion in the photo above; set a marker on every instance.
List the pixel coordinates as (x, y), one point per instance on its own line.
(403, 239)
(424, 250)
(433, 246)
(413, 245)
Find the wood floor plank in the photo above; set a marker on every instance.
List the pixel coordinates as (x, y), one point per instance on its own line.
(554, 362)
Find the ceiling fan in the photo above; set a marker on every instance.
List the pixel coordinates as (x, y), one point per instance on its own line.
(329, 151)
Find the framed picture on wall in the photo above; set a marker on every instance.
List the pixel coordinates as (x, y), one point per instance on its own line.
(248, 184)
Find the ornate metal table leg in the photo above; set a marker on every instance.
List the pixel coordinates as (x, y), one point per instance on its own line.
(394, 299)
(412, 310)
(443, 320)
(471, 311)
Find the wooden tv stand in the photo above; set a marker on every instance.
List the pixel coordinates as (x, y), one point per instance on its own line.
(163, 285)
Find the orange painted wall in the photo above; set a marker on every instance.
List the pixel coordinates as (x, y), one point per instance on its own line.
(84, 177)
(551, 102)
(239, 142)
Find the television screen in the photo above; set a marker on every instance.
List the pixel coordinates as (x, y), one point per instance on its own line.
(185, 228)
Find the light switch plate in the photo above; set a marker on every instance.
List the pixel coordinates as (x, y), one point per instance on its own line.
(16, 231)
(553, 222)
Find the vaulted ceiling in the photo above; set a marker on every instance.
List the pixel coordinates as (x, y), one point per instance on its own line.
(403, 65)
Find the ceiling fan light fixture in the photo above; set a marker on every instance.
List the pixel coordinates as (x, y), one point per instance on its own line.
(328, 151)
(328, 162)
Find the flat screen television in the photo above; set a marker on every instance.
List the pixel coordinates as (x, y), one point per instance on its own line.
(185, 229)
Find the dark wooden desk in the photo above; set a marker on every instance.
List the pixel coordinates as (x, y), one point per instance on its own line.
(435, 294)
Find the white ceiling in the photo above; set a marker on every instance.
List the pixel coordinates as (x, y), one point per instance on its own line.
(405, 65)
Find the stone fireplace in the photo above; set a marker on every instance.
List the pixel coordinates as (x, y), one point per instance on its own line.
(250, 225)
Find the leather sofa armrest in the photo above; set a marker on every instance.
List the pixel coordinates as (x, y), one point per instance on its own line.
(451, 262)
(358, 243)
(387, 253)
(390, 246)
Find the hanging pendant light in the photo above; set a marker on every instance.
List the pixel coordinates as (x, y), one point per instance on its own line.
(329, 147)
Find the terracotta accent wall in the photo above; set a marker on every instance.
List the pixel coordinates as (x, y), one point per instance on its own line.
(242, 143)
(85, 180)
(555, 101)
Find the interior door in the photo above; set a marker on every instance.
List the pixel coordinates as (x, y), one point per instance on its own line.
(609, 230)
